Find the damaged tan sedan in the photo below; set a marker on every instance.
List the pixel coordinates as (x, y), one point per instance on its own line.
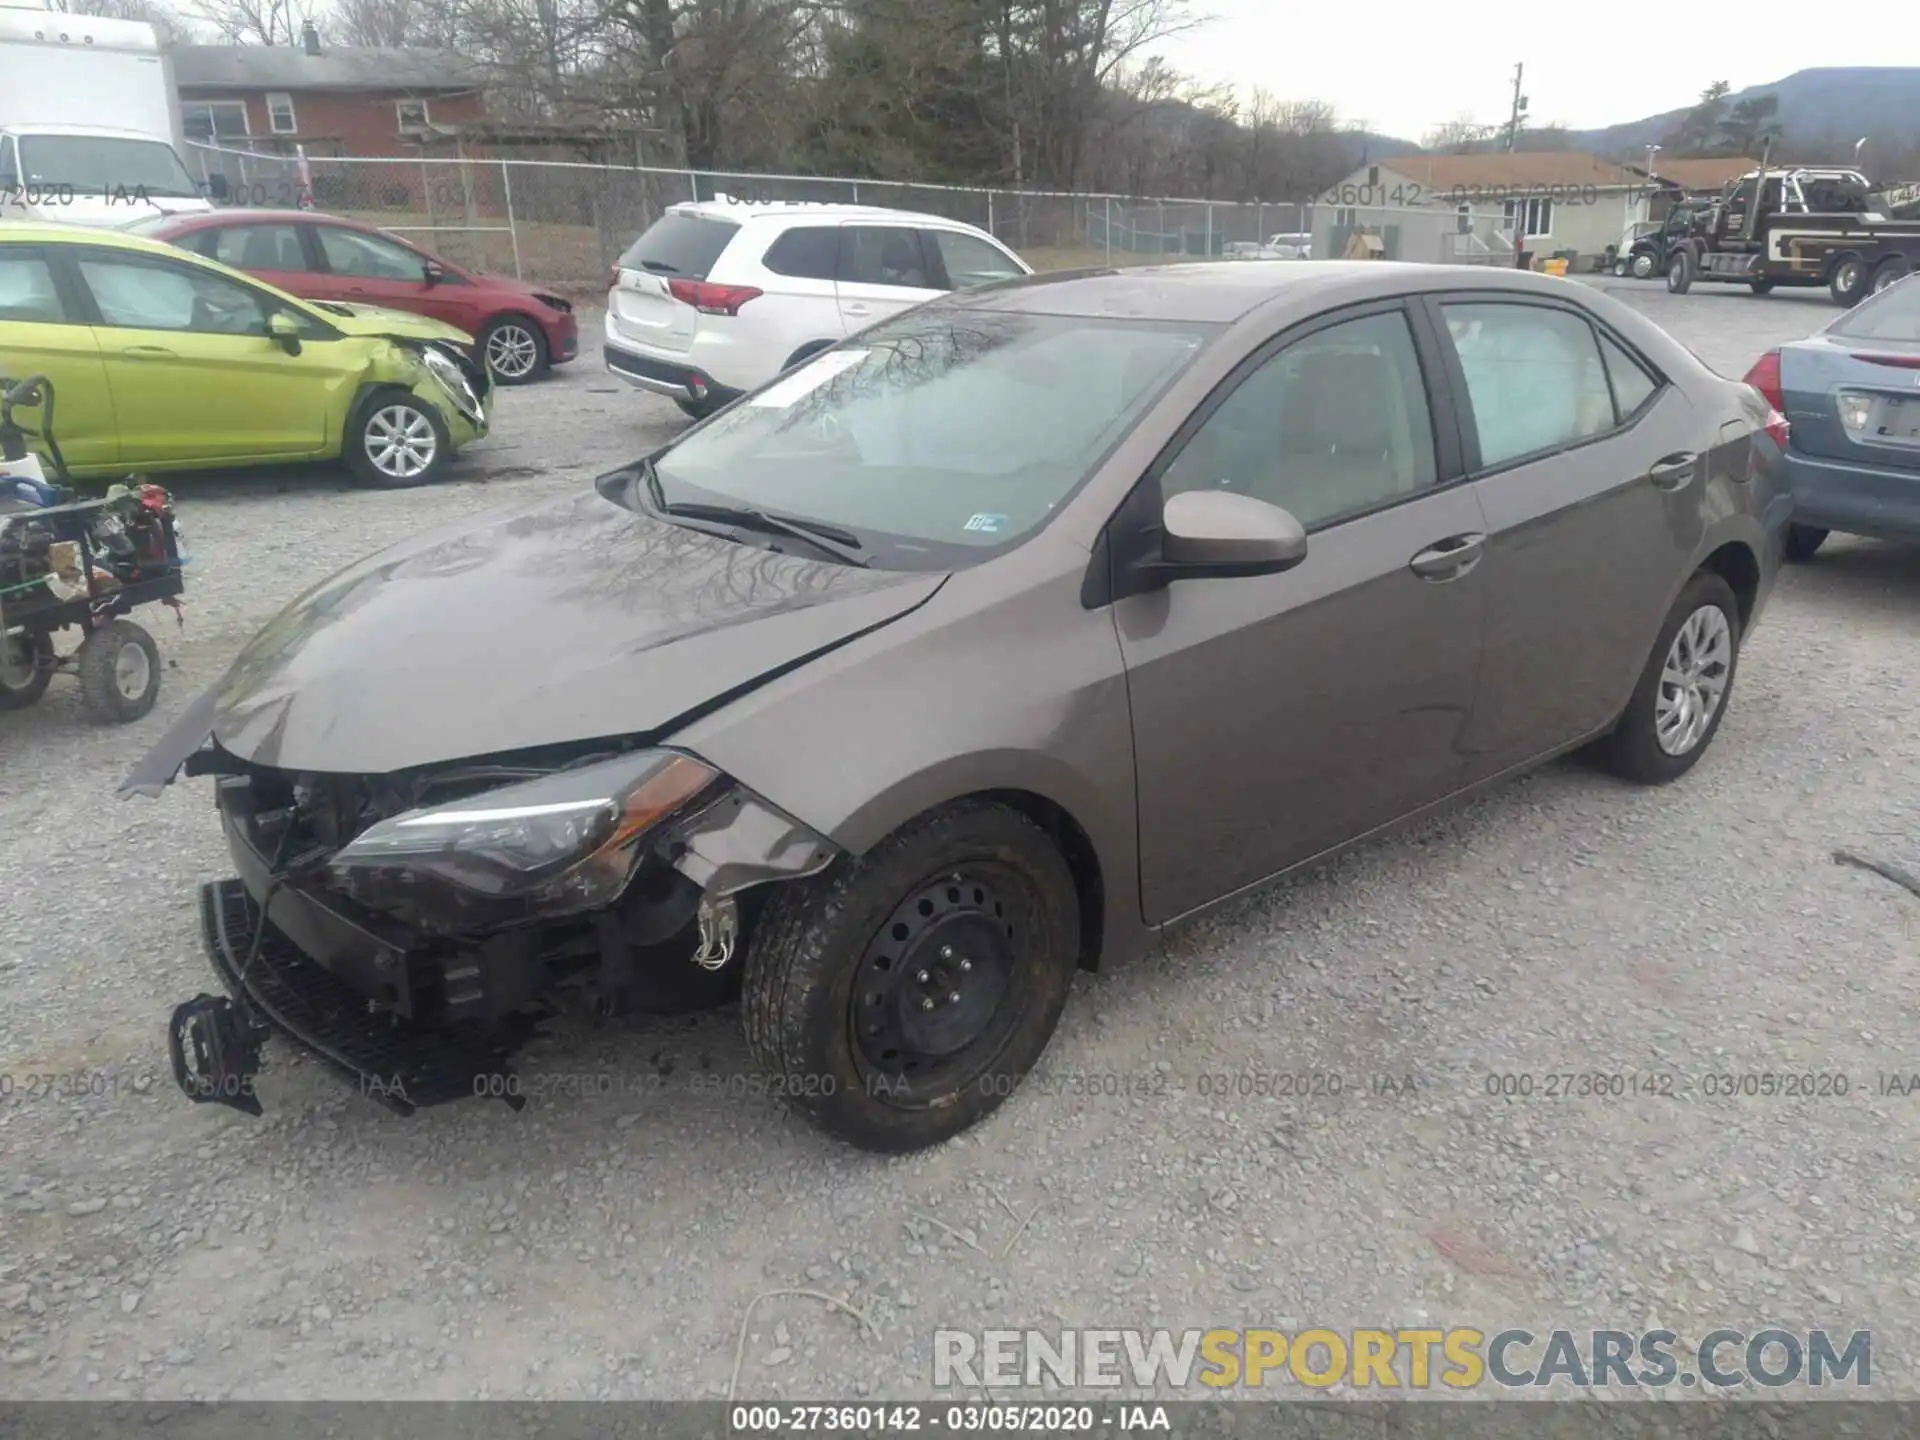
(972, 653)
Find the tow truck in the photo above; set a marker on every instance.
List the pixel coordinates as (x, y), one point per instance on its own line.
(1812, 225)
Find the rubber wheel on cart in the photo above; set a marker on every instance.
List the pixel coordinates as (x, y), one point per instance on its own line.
(1685, 688)
(1890, 271)
(1760, 287)
(699, 409)
(26, 665)
(1642, 266)
(901, 995)
(1803, 541)
(396, 441)
(119, 668)
(1620, 269)
(1680, 273)
(514, 349)
(1848, 285)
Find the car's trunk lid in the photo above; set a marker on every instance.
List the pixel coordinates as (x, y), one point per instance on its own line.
(1855, 399)
(678, 246)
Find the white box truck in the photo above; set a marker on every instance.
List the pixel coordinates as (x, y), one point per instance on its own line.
(89, 121)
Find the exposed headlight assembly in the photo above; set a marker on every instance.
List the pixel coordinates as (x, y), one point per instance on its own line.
(446, 370)
(562, 844)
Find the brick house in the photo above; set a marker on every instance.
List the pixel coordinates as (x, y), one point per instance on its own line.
(332, 101)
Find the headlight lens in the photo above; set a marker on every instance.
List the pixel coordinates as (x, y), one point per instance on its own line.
(564, 843)
(453, 380)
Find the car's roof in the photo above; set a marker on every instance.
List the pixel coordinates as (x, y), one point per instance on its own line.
(1220, 292)
(259, 215)
(48, 232)
(805, 210)
(36, 127)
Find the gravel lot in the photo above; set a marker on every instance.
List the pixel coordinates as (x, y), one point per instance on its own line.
(612, 1247)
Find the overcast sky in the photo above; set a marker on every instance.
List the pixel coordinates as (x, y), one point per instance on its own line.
(1403, 66)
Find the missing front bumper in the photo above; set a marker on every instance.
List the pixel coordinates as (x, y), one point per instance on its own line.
(276, 989)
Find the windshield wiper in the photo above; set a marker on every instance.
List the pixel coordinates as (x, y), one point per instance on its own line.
(830, 540)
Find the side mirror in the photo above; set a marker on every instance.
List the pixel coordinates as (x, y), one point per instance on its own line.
(217, 186)
(1216, 533)
(285, 331)
(433, 272)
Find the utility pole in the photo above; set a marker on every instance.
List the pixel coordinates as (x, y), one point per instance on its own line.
(1519, 110)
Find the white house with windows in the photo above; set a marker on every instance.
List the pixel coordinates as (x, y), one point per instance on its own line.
(1450, 208)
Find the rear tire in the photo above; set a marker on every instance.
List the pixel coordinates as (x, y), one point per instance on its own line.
(858, 1033)
(699, 409)
(1760, 287)
(1680, 273)
(26, 665)
(1670, 700)
(1890, 271)
(119, 668)
(1802, 541)
(1848, 284)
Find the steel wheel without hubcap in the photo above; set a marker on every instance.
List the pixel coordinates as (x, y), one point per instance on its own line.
(25, 666)
(512, 351)
(931, 982)
(400, 442)
(1693, 680)
(132, 672)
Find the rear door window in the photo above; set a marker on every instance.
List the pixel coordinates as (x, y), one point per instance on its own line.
(680, 244)
(1534, 375)
(808, 252)
(256, 247)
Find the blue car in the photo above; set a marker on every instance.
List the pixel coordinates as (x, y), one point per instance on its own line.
(1851, 397)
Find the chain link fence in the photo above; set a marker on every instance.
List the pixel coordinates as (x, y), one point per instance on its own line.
(566, 224)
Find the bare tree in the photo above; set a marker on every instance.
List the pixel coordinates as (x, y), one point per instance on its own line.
(255, 22)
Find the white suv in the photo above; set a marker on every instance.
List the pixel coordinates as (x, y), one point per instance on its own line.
(719, 296)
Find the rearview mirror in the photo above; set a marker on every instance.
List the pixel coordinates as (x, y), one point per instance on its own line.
(1218, 533)
(285, 330)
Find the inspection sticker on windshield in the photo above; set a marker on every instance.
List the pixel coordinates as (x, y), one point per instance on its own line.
(987, 524)
(808, 378)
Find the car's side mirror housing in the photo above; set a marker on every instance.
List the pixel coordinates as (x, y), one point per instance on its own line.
(433, 272)
(1219, 534)
(217, 186)
(285, 331)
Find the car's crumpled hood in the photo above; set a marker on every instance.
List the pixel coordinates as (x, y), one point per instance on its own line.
(569, 620)
(399, 324)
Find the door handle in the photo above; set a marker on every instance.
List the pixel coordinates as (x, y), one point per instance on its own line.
(1448, 559)
(1670, 472)
(147, 352)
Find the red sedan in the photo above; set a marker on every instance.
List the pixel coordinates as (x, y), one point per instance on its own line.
(519, 328)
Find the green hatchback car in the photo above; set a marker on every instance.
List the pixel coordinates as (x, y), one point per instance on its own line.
(162, 360)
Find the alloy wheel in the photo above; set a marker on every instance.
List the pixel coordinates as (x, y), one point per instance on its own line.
(1693, 680)
(512, 351)
(400, 442)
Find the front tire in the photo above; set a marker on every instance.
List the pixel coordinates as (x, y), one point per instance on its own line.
(1802, 541)
(26, 665)
(1682, 696)
(398, 441)
(515, 350)
(900, 996)
(119, 668)
(1642, 266)
(1680, 273)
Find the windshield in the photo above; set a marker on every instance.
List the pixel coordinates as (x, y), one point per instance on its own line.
(1893, 314)
(106, 165)
(944, 433)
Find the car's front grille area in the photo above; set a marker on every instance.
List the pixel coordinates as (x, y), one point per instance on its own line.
(401, 1065)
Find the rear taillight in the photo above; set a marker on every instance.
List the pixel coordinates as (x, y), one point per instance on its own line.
(1765, 377)
(711, 299)
(1899, 362)
(613, 278)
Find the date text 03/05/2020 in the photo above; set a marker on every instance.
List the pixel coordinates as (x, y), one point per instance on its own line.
(963, 1417)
